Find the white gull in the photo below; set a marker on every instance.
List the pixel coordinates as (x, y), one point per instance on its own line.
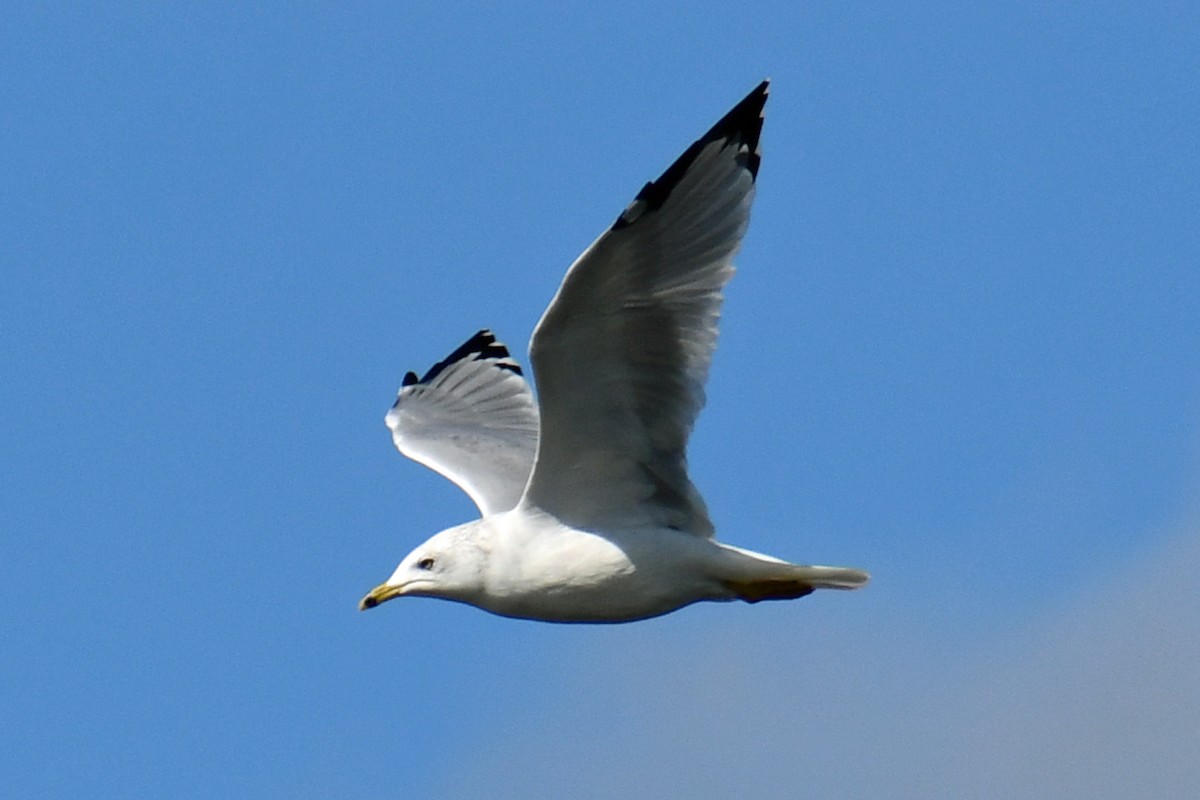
(588, 514)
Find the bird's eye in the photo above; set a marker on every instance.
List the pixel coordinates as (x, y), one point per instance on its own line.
(425, 563)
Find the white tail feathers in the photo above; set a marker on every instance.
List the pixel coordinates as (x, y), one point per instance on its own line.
(833, 577)
(753, 577)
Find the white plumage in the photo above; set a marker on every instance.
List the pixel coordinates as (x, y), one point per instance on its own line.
(588, 514)
(472, 418)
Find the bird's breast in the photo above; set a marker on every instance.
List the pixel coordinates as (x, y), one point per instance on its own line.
(567, 575)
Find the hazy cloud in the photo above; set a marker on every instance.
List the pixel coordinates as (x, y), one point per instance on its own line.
(1098, 699)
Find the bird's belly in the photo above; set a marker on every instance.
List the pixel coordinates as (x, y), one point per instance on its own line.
(587, 578)
(613, 601)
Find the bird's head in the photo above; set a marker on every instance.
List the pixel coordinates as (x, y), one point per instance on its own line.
(450, 565)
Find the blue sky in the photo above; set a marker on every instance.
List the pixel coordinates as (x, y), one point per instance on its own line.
(960, 352)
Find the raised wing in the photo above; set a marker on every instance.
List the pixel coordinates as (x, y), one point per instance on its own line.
(622, 353)
(473, 419)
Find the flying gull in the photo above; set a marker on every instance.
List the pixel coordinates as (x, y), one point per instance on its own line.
(587, 512)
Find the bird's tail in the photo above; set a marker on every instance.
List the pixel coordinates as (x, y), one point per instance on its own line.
(757, 577)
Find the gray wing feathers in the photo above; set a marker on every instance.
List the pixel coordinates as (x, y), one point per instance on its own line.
(623, 351)
(472, 418)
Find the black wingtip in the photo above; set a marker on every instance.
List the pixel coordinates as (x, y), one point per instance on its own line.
(742, 125)
(482, 345)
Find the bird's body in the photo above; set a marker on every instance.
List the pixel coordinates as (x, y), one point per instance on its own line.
(588, 514)
(526, 563)
(618, 575)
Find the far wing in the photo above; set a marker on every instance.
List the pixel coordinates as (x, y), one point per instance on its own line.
(622, 353)
(471, 418)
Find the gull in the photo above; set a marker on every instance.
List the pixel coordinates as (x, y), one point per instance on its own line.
(587, 511)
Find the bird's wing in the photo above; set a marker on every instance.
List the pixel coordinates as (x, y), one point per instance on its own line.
(471, 418)
(622, 353)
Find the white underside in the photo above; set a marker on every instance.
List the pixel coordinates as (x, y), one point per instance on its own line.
(539, 568)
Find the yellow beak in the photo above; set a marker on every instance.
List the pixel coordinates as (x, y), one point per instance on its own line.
(380, 594)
